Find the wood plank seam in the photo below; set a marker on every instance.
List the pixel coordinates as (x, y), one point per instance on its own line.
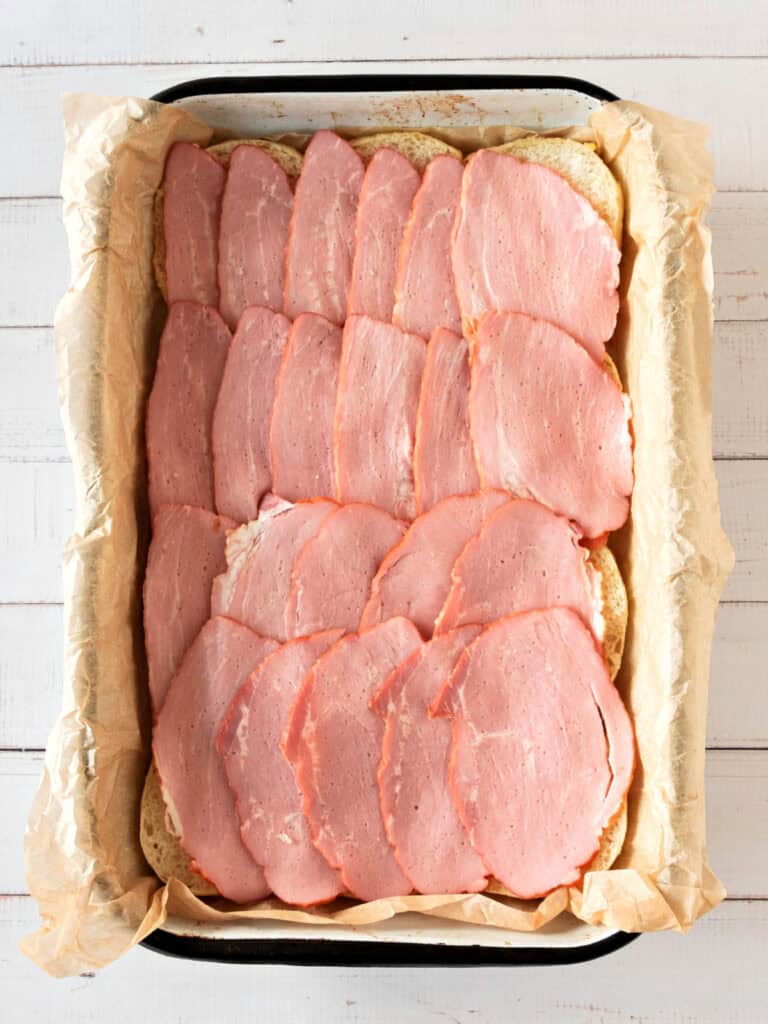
(384, 61)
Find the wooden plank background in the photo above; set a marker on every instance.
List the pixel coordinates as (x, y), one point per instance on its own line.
(300, 30)
(704, 60)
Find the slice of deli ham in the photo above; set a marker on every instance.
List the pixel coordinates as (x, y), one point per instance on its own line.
(190, 364)
(186, 553)
(272, 822)
(375, 423)
(524, 557)
(199, 800)
(542, 748)
(415, 577)
(332, 576)
(443, 458)
(430, 842)
(193, 183)
(526, 241)
(389, 186)
(334, 741)
(425, 294)
(301, 431)
(242, 470)
(260, 558)
(321, 239)
(549, 423)
(255, 211)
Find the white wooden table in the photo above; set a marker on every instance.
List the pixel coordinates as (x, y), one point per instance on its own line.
(706, 61)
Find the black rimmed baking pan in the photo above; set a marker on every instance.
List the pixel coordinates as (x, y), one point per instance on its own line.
(250, 107)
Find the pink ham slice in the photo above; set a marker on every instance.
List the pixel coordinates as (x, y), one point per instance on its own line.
(332, 576)
(430, 843)
(525, 241)
(260, 558)
(425, 295)
(334, 740)
(186, 553)
(255, 212)
(542, 748)
(390, 184)
(199, 800)
(321, 238)
(524, 557)
(301, 431)
(192, 188)
(549, 423)
(272, 822)
(443, 459)
(190, 364)
(415, 576)
(241, 420)
(375, 423)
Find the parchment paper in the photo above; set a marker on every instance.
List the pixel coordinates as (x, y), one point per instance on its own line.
(97, 896)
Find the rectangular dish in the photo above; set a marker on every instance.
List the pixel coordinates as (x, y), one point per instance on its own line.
(247, 107)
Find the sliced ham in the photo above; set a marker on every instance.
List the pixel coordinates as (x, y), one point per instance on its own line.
(241, 464)
(526, 241)
(415, 577)
(334, 741)
(269, 806)
(186, 553)
(549, 423)
(190, 364)
(443, 459)
(255, 211)
(425, 294)
(524, 557)
(193, 184)
(542, 748)
(389, 186)
(375, 423)
(321, 238)
(332, 575)
(301, 431)
(199, 800)
(260, 558)
(430, 842)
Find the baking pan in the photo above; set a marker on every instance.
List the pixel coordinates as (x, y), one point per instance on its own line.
(248, 106)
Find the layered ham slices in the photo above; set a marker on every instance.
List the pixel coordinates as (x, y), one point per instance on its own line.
(389, 186)
(414, 579)
(549, 423)
(318, 259)
(425, 296)
(523, 557)
(443, 459)
(261, 556)
(301, 428)
(376, 407)
(525, 240)
(374, 629)
(269, 802)
(542, 748)
(193, 186)
(242, 469)
(334, 741)
(332, 575)
(193, 352)
(185, 556)
(430, 843)
(255, 211)
(199, 800)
